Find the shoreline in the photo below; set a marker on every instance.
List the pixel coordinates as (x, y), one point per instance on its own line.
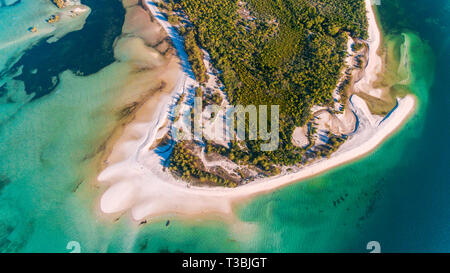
(138, 183)
(375, 65)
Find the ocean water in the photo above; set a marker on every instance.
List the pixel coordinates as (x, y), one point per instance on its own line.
(55, 120)
(59, 103)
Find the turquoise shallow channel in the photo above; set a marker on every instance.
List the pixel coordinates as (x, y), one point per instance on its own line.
(56, 108)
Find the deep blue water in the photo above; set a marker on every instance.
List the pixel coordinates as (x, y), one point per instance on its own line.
(84, 52)
(415, 212)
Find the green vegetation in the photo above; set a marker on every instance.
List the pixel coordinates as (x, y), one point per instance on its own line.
(213, 98)
(288, 53)
(240, 156)
(195, 56)
(173, 19)
(190, 168)
(357, 46)
(334, 142)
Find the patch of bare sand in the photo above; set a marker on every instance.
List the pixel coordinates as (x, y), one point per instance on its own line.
(300, 136)
(153, 78)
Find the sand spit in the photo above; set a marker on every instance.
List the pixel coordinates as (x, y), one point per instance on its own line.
(375, 64)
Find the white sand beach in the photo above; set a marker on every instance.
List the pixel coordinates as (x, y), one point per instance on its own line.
(375, 63)
(136, 183)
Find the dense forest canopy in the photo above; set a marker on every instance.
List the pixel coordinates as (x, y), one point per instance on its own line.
(286, 52)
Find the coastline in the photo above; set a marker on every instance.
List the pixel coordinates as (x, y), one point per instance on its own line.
(375, 64)
(138, 183)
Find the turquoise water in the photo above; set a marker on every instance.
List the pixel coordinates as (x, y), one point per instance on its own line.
(398, 195)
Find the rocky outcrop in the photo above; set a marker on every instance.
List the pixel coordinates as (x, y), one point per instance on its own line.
(61, 3)
(53, 19)
(64, 3)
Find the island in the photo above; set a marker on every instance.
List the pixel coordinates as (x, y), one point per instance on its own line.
(312, 69)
